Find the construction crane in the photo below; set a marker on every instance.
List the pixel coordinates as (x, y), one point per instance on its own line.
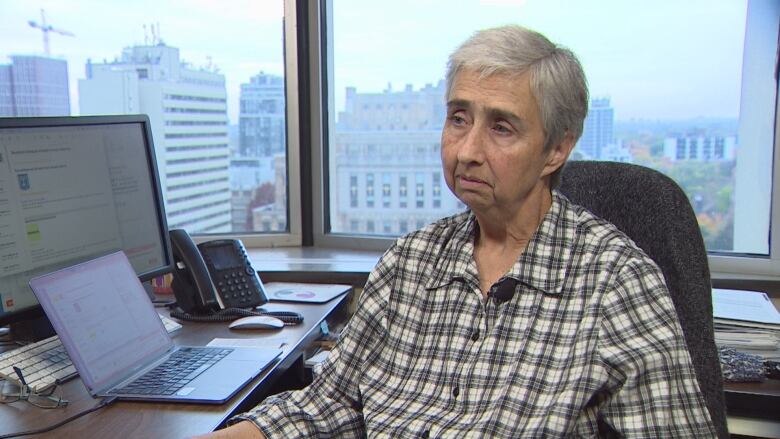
(46, 28)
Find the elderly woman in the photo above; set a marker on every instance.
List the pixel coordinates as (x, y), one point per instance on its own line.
(525, 316)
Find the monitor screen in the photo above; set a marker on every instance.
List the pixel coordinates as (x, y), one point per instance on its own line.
(72, 189)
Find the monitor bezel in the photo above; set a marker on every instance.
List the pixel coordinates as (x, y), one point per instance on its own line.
(151, 160)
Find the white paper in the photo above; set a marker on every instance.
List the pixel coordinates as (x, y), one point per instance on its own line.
(257, 342)
(750, 306)
(298, 292)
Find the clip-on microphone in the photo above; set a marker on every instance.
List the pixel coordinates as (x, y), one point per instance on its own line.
(506, 290)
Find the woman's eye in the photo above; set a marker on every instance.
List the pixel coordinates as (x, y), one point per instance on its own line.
(502, 129)
(457, 120)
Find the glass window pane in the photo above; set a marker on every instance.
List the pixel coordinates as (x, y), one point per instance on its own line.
(672, 100)
(215, 96)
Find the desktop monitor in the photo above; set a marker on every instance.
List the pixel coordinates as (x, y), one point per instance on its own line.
(72, 189)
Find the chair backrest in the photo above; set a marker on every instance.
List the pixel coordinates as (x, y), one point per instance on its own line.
(653, 210)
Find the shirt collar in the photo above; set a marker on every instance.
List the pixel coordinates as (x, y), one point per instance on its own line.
(543, 264)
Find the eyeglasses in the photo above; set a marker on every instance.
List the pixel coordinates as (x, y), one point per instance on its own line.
(12, 392)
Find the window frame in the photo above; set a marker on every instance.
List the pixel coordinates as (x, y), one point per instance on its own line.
(759, 268)
(722, 267)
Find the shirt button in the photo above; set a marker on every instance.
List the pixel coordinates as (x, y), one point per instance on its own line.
(456, 391)
(475, 335)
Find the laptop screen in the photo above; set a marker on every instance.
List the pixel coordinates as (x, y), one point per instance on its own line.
(104, 318)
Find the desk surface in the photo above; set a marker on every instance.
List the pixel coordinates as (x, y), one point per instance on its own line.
(754, 408)
(139, 419)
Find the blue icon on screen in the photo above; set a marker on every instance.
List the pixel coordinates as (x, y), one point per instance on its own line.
(24, 182)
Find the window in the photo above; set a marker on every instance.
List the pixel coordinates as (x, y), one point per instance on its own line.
(402, 192)
(386, 190)
(419, 180)
(709, 122)
(436, 190)
(370, 190)
(353, 191)
(217, 100)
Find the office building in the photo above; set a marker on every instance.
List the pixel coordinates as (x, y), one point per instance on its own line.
(258, 172)
(251, 185)
(262, 116)
(386, 167)
(700, 148)
(617, 152)
(272, 216)
(34, 86)
(598, 131)
(188, 110)
(6, 91)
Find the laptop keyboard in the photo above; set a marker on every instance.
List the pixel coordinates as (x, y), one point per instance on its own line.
(180, 369)
(45, 363)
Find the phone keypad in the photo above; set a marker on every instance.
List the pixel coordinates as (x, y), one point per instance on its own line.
(238, 288)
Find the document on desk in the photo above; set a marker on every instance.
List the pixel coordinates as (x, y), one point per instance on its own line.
(754, 308)
(307, 293)
(256, 342)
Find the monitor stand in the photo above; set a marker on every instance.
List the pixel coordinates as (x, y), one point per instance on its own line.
(31, 330)
(149, 290)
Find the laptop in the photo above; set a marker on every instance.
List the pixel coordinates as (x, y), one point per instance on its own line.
(115, 339)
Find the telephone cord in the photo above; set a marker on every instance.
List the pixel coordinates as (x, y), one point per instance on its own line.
(225, 315)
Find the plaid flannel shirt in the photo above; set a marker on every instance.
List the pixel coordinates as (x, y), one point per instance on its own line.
(589, 340)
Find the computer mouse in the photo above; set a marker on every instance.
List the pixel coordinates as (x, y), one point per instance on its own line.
(256, 322)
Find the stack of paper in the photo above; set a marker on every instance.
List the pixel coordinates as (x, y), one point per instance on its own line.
(747, 321)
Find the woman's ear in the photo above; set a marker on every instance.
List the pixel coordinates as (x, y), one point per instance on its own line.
(559, 153)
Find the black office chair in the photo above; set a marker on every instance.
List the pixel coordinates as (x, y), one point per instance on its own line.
(654, 211)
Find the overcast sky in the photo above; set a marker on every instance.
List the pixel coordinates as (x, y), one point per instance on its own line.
(665, 59)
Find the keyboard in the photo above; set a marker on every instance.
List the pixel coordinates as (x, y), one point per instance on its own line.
(45, 362)
(177, 371)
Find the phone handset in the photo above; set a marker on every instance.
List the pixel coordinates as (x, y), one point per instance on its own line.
(192, 283)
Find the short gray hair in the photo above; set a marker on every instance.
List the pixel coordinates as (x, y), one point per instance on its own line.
(557, 79)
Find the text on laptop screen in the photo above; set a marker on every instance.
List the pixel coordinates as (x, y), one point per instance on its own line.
(103, 317)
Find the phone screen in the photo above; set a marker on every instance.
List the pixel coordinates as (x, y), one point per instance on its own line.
(225, 256)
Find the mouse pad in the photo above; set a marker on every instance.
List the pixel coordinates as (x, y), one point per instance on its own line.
(310, 293)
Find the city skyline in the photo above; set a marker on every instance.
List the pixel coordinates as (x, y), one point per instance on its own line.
(100, 40)
(387, 123)
(633, 73)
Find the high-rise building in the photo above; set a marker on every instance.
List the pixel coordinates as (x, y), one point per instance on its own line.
(34, 86)
(6, 91)
(598, 131)
(386, 164)
(259, 196)
(262, 116)
(188, 110)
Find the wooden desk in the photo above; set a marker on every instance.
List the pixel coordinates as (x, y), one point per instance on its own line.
(754, 409)
(147, 420)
